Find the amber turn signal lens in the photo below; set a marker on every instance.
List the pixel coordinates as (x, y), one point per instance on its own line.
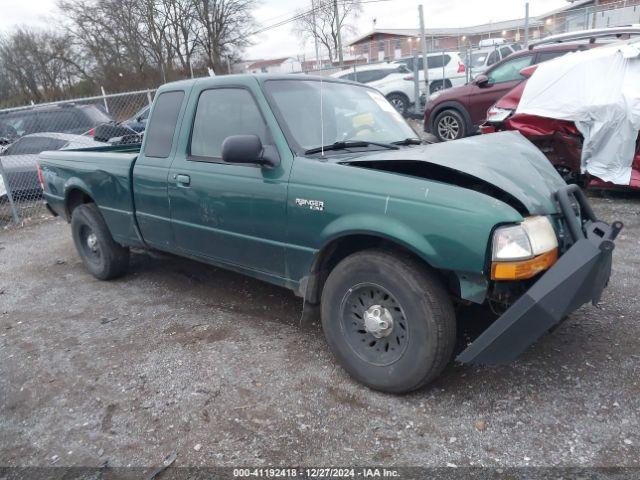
(523, 269)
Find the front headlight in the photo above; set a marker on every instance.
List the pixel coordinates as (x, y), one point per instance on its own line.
(495, 114)
(524, 250)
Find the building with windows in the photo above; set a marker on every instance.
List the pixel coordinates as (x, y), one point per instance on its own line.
(388, 44)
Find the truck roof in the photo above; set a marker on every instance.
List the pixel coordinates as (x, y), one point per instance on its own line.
(260, 77)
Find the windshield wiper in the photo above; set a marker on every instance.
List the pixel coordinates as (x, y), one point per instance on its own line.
(408, 141)
(341, 145)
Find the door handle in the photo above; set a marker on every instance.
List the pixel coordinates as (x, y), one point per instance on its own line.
(181, 179)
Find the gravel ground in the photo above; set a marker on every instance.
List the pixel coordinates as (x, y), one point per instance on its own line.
(181, 357)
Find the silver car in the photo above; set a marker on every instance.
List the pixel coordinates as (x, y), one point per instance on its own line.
(18, 161)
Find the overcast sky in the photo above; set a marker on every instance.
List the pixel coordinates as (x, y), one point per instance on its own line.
(282, 42)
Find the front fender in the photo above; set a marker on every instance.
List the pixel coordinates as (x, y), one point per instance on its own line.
(381, 226)
(472, 286)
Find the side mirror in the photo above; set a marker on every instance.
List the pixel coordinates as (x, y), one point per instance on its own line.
(481, 80)
(248, 149)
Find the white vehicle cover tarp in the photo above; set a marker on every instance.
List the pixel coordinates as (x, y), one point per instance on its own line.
(599, 90)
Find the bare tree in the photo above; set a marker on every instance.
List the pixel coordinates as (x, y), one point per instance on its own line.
(223, 29)
(122, 45)
(37, 65)
(183, 25)
(110, 36)
(320, 22)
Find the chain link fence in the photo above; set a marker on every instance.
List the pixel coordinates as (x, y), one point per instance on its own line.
(474, 49)
(121, 118)
(27, 131)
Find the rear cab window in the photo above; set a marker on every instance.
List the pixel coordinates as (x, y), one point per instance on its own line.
(162, 125)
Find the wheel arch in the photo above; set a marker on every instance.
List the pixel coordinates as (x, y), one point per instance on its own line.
(341, 246)
(451, 105)
(75, 194)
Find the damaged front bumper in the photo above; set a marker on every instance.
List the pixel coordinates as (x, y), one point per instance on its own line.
(578, 277)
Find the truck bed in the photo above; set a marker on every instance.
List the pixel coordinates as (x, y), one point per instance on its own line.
(102, 173)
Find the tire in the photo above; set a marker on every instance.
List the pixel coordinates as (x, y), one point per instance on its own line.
(102, 256)
(418, 341)
(400, 102)
(449, 125)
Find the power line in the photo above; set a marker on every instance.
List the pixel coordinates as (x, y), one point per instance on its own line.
(310, 11)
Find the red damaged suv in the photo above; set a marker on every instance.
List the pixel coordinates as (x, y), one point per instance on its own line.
(459, 111)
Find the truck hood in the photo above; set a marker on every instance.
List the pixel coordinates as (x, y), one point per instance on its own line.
(504, 165)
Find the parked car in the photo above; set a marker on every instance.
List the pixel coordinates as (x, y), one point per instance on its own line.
(393, 81)
(559, 140)
(115, 133)
(320, 186)
(19, 160)
(458, 112)
(138, 122)
(126, 132)
(478, 61)
(446, 70)
(62, 118)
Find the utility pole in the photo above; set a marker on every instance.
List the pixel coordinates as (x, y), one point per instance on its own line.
(526, 25)
(423, 39)
(335, 13)
(315, 34)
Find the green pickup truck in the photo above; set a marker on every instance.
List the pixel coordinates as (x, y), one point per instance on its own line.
(318, 185)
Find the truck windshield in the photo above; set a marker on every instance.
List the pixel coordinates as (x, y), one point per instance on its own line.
(320, 113)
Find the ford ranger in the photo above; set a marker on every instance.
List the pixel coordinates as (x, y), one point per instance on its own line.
(318, 185)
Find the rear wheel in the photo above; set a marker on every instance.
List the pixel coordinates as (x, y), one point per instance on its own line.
(449, 125)
(388, 320)
(399, 101)
(102, 256)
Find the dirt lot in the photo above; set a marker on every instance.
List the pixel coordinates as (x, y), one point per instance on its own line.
(181, 357)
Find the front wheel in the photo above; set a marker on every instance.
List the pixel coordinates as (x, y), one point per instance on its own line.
(102, 256)
(449, 125)
(388, 320)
